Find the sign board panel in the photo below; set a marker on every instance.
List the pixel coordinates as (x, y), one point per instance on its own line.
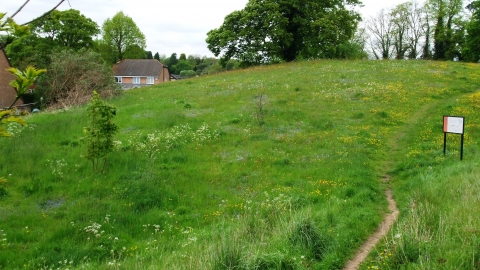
(453, 124)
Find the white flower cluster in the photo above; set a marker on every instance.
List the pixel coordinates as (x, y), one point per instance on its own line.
(3, 239)
(14, 129)
(191, 238)
(177, 136)
(279, 203)
(117, 145)
(203, 133)
(94, 229)
(154, 143)
(156, 228)
(57, 167)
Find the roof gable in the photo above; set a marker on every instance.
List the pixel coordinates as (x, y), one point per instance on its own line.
(138, 67)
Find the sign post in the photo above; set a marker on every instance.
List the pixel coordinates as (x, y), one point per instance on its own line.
(455, 125)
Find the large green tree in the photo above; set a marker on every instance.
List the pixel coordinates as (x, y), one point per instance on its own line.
(173, 60)
(449, 28)
(266, 31)
(134, 52)
(121, 32)
(56, 31)
(181, 66)
(29, 50)
(67, 28)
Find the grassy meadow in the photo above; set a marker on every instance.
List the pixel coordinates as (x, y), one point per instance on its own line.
(275, 167)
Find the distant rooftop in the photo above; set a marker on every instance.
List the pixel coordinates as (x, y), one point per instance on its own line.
(138, 67)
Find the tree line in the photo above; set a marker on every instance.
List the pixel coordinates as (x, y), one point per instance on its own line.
(438, 30)
(270, 31)
(195, 65)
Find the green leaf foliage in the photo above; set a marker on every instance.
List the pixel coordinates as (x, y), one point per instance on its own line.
(121, 32)
(67, 28)
(187, 73)
(134, 52)
(181, 66)
(472, 48)
(280, 30)
(448, 30)
(100, 132)
(57, 31)
(24, 80)
(9, 30)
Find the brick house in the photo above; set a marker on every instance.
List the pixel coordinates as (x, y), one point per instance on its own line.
(7, 92)
(133, 73)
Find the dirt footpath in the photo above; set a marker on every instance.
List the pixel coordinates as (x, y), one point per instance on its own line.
(381, 232)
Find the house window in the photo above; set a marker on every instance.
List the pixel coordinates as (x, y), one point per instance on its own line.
(136, 80)
(149, 80)
(118, 79)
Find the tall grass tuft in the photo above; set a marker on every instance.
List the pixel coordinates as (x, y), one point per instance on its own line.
(307, 237)
(228, 256)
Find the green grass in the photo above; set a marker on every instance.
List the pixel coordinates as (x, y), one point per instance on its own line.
(197, 183)
(438, 195)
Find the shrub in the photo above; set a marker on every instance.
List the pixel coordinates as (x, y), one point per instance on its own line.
(99, 134)
(72, 76)
(187, 73)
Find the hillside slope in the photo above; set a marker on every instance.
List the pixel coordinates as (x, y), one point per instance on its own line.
(275, 167)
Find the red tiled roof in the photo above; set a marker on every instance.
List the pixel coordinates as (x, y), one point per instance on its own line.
(138, 67)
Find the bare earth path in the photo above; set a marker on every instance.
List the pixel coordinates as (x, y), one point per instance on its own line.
(392, 216)
(379, 233)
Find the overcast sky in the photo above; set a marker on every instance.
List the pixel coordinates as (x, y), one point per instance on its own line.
(179, 26)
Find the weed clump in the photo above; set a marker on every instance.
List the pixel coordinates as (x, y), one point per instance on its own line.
(229, 257)
(306, 236)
